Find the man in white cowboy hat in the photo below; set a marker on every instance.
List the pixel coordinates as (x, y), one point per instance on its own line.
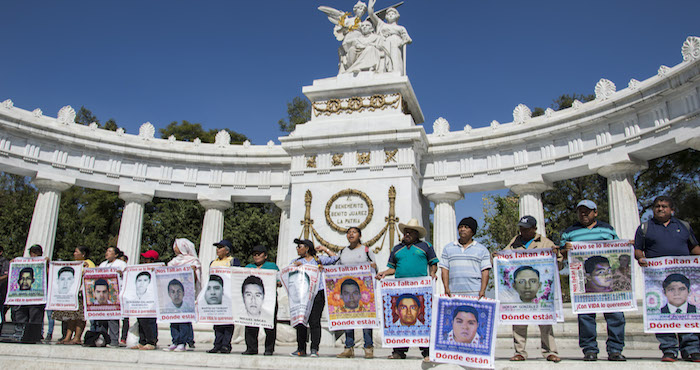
(411, 258)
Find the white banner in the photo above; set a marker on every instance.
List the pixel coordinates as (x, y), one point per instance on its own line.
(139, 293)
(64, 284)
(26, 281)
(526, 286)
(350, 297)
(463, 331)
(101, 293)
(176, 294)
(301, 283)
(407, 305)
(601, 276)
(257, 289)
(214, 301)
(672, 295)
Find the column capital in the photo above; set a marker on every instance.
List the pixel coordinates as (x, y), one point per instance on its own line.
(622, 168)
(139, 198)
(530, 187)
(220, 204)
(443, 193)
(49, 184)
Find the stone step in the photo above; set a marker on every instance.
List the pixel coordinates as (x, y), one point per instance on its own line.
(43, 357)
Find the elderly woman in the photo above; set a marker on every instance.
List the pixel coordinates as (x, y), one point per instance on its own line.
(395, 37)
(185, 254)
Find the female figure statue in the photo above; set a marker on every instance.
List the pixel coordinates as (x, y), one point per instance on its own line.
(395, 37)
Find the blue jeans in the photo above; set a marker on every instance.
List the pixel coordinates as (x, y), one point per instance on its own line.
(350, 338)
(587, 332)
(182, 333)
(689, 343)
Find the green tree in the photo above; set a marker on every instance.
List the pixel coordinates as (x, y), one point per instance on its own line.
(250, 224)
(298, 112)
(187, 131)
(168, 219)
(500, 221)
(85, 117)
(17, 198)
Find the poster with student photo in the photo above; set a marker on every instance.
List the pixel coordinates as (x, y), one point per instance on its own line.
(176, 294)
(672, 294)
(214, 301)
(463, 331)
(255, 294)
(26, 281)
(526, 287)
(64, 284)
(350, 297)
(407, 306)
(601, 276)
(138, 296)
(301, 283)
(101, 293)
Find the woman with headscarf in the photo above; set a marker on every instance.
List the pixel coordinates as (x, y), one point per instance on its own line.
(185, 254)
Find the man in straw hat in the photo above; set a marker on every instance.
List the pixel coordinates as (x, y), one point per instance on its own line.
(411, 258)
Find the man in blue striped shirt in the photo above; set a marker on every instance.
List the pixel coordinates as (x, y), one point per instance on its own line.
(589, 229)
(465, 263)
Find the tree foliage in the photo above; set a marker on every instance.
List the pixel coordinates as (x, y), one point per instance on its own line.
(500, 221)
(85, 117)
(187, 131)
(298, 112)
(17, 198)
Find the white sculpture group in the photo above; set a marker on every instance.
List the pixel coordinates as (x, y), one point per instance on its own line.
(376, 44)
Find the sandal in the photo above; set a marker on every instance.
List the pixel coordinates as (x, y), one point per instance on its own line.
(517, 358)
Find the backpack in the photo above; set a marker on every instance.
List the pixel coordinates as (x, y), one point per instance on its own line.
(645, 227)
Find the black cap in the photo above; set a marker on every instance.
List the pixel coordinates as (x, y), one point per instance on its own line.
(259, 249)
(527, 221)
(224, 244)
(469, 222)
(306, 242)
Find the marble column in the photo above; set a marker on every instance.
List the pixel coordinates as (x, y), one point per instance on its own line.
(444, 222)
(42, 229)
(622, 203)
(212, 229)
(284, 250)
(131, 226)
(530, 203)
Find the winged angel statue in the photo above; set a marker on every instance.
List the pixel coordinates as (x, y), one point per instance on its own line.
(376, 44)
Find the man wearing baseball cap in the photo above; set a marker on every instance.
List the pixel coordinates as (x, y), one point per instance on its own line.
(528, 238)
(150, 256)
(588, 229)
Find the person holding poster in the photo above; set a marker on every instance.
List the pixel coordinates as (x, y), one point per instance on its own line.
(588, 229)
(4, 272)
(110, 326)
(463, 331)
(307, 256)
(73, 320)
(665, 235)
(139, 299)
(30, 287)
(355, 254)
(465, 263)
(222, 333)
(411, 258)
(185, 255)
(526, 283)
(251, 332)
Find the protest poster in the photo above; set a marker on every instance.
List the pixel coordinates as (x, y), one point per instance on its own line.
(526, 286)
(301, 283)
(26, 281)
(350, 297)
(64, 284)
(407, 306)
(101, 293)
(257, 289)
(672, 294)
(601, 276)
(214, 301)
(138, 296)
(463, 331)
(176, 294)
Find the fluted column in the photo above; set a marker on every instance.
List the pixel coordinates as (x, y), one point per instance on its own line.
(622, 202)
(131, 226)
(284, 252)
(530, 203)
(42, 229)
(212, 229)
(444, 221)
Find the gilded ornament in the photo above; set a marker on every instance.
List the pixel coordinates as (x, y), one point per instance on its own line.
(390, 155)
(337, 159)
(363, 158)
(311, 162)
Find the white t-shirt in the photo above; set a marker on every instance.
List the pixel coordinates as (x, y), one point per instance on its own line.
(356, 256)
(117, 263)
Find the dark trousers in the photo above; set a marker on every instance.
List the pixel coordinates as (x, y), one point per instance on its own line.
(314, 325)
(33, 315)
(425, 351)
(125, 329)
(148, 331)
(222, 336)
(251, 337)
(110, 327)
(689, 343)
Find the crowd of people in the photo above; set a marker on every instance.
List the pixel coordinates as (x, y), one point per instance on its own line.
(464, 268)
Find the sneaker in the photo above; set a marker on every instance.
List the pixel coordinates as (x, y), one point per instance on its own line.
(590, 356)
(179, 348)
(214, 350)
(669, 357)
(314, 353)
(695, 357)
(170, 348)
(617, 356)
(298, 354)
(347, 353)
(122, 343)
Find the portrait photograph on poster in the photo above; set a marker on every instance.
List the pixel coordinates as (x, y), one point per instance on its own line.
(176, 294)
(257, 290)
(301, 283)
(101, 293)
(139, 296)
(463, 331)
(350, 297)
(26, 281)
(407, 306)
(214, 301)
(64, 284)
(672, 294)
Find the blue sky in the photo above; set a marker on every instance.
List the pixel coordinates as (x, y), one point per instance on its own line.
(236, 64)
